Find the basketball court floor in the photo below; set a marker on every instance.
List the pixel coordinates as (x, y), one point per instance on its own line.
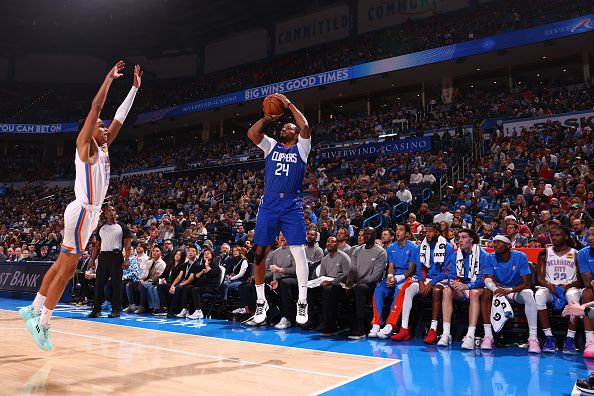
(143, 354)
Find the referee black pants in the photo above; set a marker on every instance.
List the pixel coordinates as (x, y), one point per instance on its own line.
(109, 266)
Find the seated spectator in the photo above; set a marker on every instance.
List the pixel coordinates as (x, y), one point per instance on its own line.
(237, 273)
(404, 194)
(428, 177)
(181, 287)
(207, 280)
(443, 214)
(424, 216)
(149, 297)
(416, 177)
(512, 232)
(169, 275)
(413, 223)
(342, 238)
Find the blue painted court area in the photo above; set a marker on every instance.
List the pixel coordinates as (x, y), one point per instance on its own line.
(421, 370)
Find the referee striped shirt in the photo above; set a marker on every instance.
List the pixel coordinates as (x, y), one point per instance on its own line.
(112, 236)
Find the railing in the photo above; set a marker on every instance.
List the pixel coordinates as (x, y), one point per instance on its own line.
(425, 195)
(399, 212)
(367, 220)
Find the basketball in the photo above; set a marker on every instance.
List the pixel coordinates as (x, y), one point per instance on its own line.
(272, 106)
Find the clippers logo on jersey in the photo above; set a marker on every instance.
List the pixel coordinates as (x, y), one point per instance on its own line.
(284, 170)
(284, 157)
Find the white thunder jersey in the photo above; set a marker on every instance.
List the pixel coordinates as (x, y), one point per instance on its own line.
(82, 215)
(92, 179)
(561, 269)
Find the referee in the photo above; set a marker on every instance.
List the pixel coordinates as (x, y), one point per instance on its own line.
(113, 238)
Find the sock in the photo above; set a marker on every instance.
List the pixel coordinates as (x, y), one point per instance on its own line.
(46, 315)
(589, 336)
(548, 332)
(488, 330)
(301, 268)
(571, 333)
(260, 292)
(471, 331)
(38, 302)
(434, 325)
(532, 332)
(446, 328)
(409, 294)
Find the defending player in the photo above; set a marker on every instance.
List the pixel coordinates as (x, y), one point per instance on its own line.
(281, 207)
(82, 215)
(558, 283)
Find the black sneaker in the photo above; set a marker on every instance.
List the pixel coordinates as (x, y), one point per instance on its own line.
(114, 314)
(95, 313)
(586, 385)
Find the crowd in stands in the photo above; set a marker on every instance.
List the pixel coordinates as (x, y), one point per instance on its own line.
(34, 103)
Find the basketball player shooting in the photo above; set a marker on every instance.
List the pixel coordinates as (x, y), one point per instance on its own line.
(281, 208)
(82, 215)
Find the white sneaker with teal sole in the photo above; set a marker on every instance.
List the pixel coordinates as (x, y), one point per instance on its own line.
(28, 312)
(40, 334)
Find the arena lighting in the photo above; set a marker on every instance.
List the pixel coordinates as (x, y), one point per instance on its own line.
(478, 69)
(544, 57)
(564, 70)
(388, 135)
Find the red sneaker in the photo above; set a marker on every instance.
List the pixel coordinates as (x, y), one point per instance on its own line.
(402, 335)
(431, 337)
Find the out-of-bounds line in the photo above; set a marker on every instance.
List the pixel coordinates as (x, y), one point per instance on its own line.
(351, 379)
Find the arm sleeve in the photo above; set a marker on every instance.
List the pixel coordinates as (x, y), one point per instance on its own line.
(523, 263)
(266, 145)
(122, 111)
(304, 147)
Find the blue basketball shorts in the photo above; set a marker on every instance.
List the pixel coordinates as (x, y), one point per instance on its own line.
(280, 214)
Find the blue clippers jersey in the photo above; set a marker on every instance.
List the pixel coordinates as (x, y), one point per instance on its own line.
(284, 170)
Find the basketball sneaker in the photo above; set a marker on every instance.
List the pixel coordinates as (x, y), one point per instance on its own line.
(261, 310)
(386, 332)
(569, 346)
(487, 343)
(468, 342)
(403, 335)
(431, 337)
(445, 340)
(283, 324)
(549, 345)
(28, 312)
(374, 330)
(586, 385)
(533, 345)
(589, 350)
(301, 317)
(40, 334)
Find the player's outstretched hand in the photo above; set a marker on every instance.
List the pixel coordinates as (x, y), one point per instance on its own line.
(137, 76)
(115, 71)
(282, 98)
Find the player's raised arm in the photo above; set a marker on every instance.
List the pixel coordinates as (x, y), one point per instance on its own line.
(122, 112)
(300, 119)
(83, 141)
(256, 132)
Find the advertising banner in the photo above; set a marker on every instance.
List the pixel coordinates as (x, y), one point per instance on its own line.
(370, 150)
